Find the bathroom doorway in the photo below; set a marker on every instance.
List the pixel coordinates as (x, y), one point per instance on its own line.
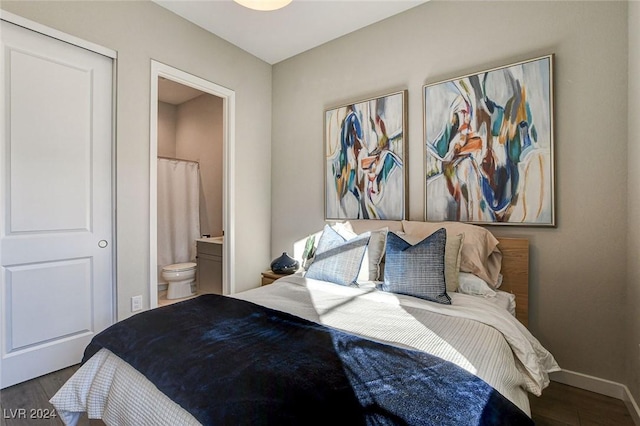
(204, 113)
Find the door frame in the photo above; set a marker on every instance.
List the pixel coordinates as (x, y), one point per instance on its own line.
(67, 38)
(228, 96)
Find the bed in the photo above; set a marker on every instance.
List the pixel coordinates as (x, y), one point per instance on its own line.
(304, 350)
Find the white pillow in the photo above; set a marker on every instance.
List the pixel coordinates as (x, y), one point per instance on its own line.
(474, 285)
(370, 268)
(500, 278)
(338, 260)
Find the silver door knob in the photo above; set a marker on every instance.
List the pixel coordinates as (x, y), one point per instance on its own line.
(102, 243)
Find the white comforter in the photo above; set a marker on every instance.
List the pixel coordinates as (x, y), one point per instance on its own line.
(472, 333)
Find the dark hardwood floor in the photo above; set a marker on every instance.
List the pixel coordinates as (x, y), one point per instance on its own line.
(27, 403)
(565, 405)
(559, 405)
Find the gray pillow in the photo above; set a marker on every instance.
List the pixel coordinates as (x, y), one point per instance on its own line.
(338, 260)
(417, 270)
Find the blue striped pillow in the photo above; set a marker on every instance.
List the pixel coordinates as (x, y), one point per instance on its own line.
(337, 259)
(417, 270)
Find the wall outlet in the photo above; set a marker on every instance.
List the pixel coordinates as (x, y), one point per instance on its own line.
(136, 303)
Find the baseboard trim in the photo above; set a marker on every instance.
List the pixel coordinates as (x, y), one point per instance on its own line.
(601, 386)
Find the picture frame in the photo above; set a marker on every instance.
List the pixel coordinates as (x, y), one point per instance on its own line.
(365, 165)
(489, 146)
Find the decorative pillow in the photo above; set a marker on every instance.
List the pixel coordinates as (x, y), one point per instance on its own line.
(338, 260)
(480, 253)
(452, 258)
(363, 225)
(473, 285)
(370, 270)
(375, 253)
(417, 270)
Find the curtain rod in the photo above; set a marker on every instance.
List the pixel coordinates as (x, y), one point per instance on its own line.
(177, 159)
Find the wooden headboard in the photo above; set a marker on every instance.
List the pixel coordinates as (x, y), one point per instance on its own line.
(515, 273)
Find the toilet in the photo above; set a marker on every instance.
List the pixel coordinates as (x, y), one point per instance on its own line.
(180, 277)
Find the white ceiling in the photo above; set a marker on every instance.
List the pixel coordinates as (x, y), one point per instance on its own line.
(277, 35)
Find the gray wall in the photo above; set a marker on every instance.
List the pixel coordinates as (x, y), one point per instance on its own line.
(197, 127)
(578, 269)
(633, 246)
(140, 31)
(167, 114)
(199, 137)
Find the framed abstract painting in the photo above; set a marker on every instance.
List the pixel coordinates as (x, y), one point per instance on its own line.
(365, 159)
(488, 140)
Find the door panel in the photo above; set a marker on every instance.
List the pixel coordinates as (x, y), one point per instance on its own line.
(39, 293)
(41, 155)
(56, 202)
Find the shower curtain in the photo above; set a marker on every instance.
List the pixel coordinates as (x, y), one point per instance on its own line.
(178, 211)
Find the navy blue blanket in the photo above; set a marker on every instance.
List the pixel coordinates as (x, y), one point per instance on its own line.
(232, 362)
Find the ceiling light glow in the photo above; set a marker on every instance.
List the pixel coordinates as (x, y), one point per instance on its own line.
(264, 5)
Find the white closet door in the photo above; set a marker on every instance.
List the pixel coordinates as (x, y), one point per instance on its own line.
(56, 202)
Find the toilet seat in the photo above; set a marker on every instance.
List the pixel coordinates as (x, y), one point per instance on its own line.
(180, 267)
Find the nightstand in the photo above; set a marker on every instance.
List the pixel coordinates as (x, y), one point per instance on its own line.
(269, 276)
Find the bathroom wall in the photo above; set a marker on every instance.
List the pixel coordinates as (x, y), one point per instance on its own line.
(199, 138)
(167, 129)
(193, 131)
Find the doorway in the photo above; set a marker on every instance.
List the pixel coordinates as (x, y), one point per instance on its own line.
(193, 86)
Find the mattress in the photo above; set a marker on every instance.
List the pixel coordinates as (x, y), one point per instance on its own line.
(474, 333)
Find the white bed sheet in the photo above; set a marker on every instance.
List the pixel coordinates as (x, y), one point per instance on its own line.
(504, 300)
(476, 334)
(501, 298)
